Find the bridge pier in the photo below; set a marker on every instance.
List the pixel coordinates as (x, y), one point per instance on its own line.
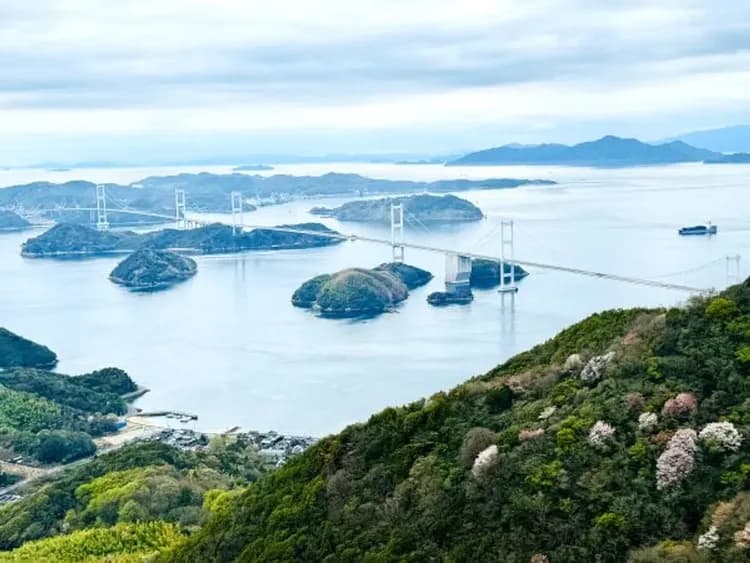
(458, 274)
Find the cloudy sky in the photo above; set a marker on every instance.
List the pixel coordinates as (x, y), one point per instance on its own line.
(135, 79)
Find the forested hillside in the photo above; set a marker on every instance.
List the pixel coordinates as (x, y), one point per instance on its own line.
(623, 437)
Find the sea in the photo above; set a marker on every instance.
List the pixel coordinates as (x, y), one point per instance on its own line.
(229, 347)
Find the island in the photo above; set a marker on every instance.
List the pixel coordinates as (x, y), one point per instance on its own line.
(252, 168)
(735, 158)
(12, 221)
(149, 269)
(422, 208)
(439, 298)
(70, 239)
(17, 351)
(486, 273)
(360, 292)
(607, 151)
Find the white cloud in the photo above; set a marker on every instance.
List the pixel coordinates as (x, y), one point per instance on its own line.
(163, 66)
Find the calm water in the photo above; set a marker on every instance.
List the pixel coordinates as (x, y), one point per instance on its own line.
(228, 346)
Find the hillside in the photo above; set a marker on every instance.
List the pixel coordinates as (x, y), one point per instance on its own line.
(625, 434)
(735, 138)
(17, 351)
(357, 292)
(10, 221)
(423, 208)
(148, 269)
(607, 151)
(70, 239)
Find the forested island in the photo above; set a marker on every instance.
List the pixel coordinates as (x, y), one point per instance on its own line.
(207, 192)
(149, 269)
(10, 221)
(486, 273)
(357, 292)
(423, 208)
(607, 151)
(67, 239)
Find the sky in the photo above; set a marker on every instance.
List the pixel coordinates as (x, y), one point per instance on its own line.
(144, 80)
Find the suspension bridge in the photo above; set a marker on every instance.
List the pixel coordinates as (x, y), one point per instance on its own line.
(458, 262)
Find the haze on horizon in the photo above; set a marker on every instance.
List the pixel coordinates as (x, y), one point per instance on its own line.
(164, 79)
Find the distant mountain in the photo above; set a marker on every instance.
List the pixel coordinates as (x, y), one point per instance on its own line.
(607, 151)
(725, 139)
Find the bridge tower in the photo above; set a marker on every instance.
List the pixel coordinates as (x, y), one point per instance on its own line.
(237, 219)
(507, 281)
(733, 270)
(180, 208)
(397, 231)
(102, 224)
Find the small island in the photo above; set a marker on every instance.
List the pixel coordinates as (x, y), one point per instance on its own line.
(423, 208)
(734, 158)
(71, 239)
(252, 168)
(360, 292)
(149, 269)
(485, 274)
(11, 221)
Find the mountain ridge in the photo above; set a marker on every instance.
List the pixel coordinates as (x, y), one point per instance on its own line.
(606, 151)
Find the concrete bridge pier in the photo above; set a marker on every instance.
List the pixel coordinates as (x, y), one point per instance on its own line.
(458, 274)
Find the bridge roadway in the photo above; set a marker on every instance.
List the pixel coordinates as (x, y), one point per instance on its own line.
(428, 248)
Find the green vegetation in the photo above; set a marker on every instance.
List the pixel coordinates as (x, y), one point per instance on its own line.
(64, 390)
(625, 434)
(16, 351)
(108, 380)
(52, 417)
(423, 208)
(146, 481)
(360, 292)
(70, 239)
(153, 269)
(119, 544)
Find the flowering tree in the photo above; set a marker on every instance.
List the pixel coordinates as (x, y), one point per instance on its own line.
(484, 460)
(596, 367)
(648, 421)
(722, 435)
(600, 433)
(684, 404)
(709, 539)
(678, 460)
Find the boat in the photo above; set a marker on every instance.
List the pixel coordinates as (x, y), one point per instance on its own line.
(699, 230)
